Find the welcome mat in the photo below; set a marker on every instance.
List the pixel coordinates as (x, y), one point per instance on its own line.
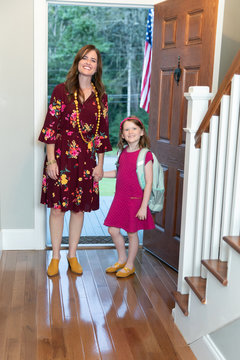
(92, 240)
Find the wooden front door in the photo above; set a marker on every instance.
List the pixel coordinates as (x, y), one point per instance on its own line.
(184, 30)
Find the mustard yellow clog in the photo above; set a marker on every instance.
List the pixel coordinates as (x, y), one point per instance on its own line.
(125, 272)
(53, 267)
(114, 268)
(74, 266)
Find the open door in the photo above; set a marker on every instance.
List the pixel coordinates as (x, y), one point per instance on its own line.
(184, 38)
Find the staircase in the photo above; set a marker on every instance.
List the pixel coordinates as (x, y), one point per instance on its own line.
(208, 296)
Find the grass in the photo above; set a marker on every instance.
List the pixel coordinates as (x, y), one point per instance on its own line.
(107, 187)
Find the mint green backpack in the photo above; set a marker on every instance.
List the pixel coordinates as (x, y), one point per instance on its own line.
(157, 194)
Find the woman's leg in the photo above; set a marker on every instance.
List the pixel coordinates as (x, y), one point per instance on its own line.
(56, 220)
(75, 229)
(119, 243)
(132, 249)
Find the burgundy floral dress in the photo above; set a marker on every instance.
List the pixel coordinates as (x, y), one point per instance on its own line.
(75, 188)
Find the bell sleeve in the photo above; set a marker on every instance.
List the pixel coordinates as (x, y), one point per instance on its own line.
(104, 128)
(56, 107)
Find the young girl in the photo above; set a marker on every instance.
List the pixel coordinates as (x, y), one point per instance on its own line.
(129, 209)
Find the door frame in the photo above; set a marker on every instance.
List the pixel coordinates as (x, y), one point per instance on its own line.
(40, 95)
(37, 237)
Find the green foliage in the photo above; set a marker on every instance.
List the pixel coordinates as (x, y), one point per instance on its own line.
(119, 34)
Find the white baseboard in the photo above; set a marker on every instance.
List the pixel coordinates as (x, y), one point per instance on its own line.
(205, 349)
(21, 239)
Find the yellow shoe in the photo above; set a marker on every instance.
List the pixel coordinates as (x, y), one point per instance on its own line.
(114, 268)
(53, 267)
(125, 272)
(74, 265)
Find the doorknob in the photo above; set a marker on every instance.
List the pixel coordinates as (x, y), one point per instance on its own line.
(177, 72)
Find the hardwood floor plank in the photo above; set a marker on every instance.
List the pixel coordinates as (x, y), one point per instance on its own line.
(6, 291)
(29, 326)
(14, 321)
(101, 328)
(44, 335)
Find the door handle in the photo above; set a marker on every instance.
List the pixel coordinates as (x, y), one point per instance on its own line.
(177, 72)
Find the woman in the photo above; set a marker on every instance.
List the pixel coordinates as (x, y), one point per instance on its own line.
(75, 129)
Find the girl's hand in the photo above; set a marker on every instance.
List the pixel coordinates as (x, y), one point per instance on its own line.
(142, 213)
(52, 171)
(97, 173)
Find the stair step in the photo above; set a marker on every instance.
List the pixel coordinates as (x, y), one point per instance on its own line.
(182, 301)
(233, 241)
(198, 285)
(218, 268)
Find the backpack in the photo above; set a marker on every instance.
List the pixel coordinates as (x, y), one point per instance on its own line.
(157, 194)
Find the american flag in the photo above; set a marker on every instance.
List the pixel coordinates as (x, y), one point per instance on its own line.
(146, 75)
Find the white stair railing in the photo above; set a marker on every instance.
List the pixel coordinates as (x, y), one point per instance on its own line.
(211, 189)
(198, 99)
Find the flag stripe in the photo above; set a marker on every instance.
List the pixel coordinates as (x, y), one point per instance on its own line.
(146, 74)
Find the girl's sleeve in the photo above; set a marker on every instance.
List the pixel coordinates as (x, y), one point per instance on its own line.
(55, 109)
(104, 128)
(149, 157)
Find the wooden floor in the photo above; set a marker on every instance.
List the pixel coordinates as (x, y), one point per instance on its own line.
(93, 316)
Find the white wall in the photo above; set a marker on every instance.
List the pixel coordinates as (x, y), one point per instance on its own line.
(231, 35)
(16, 114)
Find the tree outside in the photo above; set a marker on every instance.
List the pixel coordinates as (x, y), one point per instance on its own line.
(119, 34)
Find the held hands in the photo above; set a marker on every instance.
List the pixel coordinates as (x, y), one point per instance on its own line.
(52, 171)
(142, 213)
(97, 173)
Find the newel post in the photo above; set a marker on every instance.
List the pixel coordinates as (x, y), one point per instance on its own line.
(198, 98)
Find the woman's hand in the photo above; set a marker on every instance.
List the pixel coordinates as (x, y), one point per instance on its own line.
(97, 173)
(52, 171)
(142, 213)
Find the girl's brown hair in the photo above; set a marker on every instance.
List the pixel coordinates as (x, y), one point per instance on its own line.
(72, 83)
(144, 141)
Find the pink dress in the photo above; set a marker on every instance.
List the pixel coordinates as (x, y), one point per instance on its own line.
(128, 196)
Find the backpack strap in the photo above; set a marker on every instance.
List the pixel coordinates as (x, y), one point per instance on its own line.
(118, 157)
(140, 167)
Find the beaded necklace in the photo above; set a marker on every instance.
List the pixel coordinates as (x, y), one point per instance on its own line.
(98, 115)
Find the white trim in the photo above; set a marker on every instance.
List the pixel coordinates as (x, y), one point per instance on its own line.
(218, 45)
(123, 3)
(205, 349)
(21, 239)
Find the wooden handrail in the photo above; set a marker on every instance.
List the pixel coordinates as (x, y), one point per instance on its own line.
(214, 106)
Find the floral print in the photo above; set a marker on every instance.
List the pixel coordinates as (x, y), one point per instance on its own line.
(75, 188)
(49, 134)
(56, 107)
(73, 151)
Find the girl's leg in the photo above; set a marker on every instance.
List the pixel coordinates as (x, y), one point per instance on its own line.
(56, 220)
(75, 229)
(119, 243)
(132, 249)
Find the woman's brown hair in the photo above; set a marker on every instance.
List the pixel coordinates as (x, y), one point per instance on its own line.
(144, 141)
(72, 83)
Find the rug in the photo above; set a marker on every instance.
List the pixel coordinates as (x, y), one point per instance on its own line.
(92, 240)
